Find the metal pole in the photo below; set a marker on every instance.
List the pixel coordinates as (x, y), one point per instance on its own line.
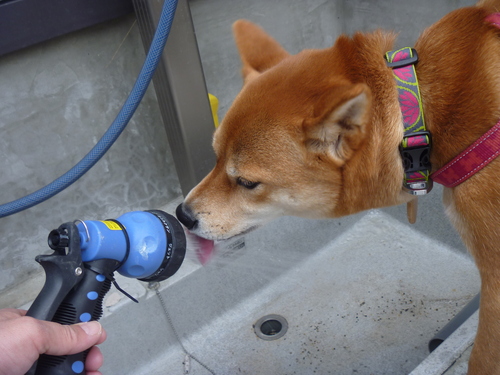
(181, 91)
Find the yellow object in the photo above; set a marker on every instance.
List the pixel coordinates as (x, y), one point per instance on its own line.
(111, 225)
(214, 104)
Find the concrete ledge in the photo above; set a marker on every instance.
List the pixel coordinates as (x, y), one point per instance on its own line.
(451, 356)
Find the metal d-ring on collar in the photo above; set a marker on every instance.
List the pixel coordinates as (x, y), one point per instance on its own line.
(416, 144)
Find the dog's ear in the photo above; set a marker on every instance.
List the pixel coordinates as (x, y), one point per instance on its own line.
(338, 124)
(258, 51)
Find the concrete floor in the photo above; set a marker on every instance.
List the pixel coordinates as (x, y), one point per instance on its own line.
(341, 284)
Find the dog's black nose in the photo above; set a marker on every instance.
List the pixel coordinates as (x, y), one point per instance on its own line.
(185, 216)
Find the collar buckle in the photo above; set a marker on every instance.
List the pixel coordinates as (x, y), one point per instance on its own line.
(415, 151)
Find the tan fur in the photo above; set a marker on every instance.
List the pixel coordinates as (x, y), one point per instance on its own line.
(319, 132)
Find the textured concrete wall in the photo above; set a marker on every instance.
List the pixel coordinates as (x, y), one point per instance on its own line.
(56, 101)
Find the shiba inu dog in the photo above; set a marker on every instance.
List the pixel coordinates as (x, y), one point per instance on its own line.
(318, 134)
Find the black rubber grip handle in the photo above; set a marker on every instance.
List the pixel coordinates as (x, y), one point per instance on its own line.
(82, 304)
(63, 271)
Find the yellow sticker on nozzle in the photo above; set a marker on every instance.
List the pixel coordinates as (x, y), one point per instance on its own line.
(111, 225)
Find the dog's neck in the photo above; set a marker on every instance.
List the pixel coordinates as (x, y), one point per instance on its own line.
(454, 116)
(379, 160)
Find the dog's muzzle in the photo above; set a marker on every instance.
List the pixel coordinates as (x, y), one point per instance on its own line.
(186, 216)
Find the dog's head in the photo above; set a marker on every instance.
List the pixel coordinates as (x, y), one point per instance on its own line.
(284, 142)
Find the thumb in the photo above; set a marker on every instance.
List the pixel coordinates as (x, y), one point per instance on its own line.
(71, 339)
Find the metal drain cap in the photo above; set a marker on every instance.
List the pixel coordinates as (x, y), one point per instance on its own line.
(271, 327)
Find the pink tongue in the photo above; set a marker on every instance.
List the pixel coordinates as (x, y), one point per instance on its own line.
(203, 248)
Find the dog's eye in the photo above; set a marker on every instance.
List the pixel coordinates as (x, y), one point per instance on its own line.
(247, 184)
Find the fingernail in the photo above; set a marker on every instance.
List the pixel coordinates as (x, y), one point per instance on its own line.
(91, 328)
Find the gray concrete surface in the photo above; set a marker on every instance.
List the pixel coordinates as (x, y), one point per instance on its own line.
(57, 98)
(362, 303)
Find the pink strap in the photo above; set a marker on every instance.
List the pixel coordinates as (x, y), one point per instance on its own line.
(478, 155)
(472, 160)
(494, 19)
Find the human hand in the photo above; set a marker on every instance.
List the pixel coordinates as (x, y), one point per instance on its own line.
(23, 339)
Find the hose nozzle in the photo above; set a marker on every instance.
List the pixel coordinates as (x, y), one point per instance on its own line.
(150, 245)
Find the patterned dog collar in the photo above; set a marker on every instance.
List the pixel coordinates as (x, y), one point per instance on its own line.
(416, 144)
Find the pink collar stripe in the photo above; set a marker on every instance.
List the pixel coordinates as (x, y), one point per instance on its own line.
(472, 160)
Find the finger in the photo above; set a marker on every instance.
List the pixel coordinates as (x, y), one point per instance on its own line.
(59, 339)
(101, 331)
(6, 314)
(94, 360)
(103, 338)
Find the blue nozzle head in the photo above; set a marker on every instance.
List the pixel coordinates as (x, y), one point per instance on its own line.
(150, 245)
